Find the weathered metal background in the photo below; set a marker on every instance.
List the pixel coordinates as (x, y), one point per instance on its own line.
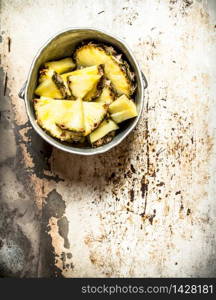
(146, 208)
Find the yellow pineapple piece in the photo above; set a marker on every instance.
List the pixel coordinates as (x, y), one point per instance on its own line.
(72, 118)
(45, 74)
(107, 95)
(104, 128)
(94, 113)
(47, 88)
(94, 70)
(80, 85)
(61, 66)
(115, 69)
(49, 112)
(122, 109)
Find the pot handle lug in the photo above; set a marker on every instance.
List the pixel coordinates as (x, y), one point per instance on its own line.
(21, 93)
(144, 80)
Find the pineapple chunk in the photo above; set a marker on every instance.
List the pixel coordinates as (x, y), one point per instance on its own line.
(122, 109)
(80, 85)
(73, 118)
(105, 127)
(48, 112)
(94, 114)
(93, 93)
(45, 74)
(122, 116)
(61, 66)
(94, 70)
(115, 70)
(107, 95)
(121, 103)
(96, 91)
(45, 98)
(47, 88)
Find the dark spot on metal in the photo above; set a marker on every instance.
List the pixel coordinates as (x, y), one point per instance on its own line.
(160, 151)
(5, 83)
(188, 3)
(9, 43)
(1, 243)
(181, 207)
(178, 192)
(151, 218)
(160, 184)
(112, 175)
(144, 186)
(69, 255)
(188, 211)
(63, 228)
(131, 195)
(100, 12)
(54, 206)
(132, 168)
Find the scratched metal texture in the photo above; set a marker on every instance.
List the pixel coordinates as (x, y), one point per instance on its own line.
(145, 209)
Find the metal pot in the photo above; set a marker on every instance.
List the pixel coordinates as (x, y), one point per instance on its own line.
(62, 45)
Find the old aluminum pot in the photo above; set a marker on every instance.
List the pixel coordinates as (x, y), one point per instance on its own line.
(62, 45)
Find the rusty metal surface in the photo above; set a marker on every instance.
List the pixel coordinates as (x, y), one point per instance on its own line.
(146, 208)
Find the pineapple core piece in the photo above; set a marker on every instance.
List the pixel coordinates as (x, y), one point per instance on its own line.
(61, 66)
(122, 109)
(80, 85)
(50, 112)
(94, 113)
(105, 127)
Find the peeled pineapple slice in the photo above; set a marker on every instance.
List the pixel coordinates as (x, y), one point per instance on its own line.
(50, 111)
(104, 128)
(73, 118)
(47, 88)
(94, 114)
(107, 95)
(114, 68)
(80, 85)
(61, 66)
(122, 109)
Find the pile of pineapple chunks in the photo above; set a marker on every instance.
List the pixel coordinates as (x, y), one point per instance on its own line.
(84, 100)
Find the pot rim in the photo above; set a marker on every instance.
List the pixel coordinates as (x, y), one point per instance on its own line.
(63, 147)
